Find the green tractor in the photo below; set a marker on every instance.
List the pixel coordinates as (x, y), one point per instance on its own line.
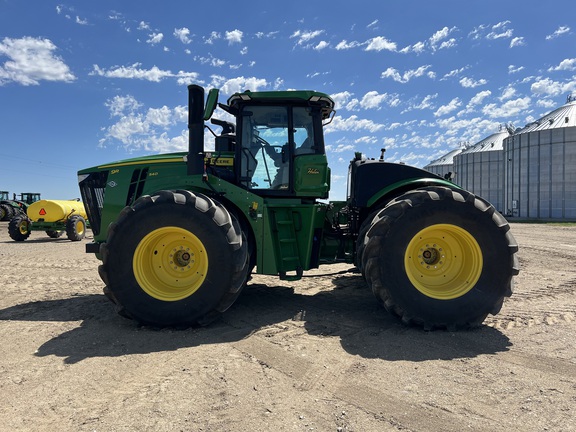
(179, 234)
(10, 208)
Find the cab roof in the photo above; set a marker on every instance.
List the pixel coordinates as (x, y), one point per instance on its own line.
(286, 95)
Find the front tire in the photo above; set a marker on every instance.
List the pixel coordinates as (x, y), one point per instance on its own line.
(174, 259)
(440, 258)
(19, 228)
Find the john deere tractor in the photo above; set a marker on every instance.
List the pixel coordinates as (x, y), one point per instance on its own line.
(11, 208)
(179, 234)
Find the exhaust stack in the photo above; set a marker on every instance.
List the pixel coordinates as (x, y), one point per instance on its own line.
(195, 162)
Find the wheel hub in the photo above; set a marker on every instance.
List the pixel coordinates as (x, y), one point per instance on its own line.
(181, 258)
(431, 255)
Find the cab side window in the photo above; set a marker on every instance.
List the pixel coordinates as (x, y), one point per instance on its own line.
(265, 154)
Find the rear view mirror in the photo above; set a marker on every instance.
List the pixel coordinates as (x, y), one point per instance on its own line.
(211, 103)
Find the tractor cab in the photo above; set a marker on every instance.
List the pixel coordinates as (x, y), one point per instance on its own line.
(277, 143)
(29, 197)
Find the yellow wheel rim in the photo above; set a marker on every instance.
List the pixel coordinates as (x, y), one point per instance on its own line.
(170, 263)
(80, 227)
(23, 227)
(443, 261)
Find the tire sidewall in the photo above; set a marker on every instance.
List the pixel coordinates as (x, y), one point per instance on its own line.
(494, 277)
(128, 236)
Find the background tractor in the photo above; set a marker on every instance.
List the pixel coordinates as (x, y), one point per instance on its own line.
(179, 234)
(55, 217)
(11, 207)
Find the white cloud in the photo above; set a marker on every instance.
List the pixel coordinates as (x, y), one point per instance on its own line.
(566, 64)
(305, 36)
(148, 130)
(426, 102)
(32, 60)
(183, 34)
(210, 60)
(321, 45)
(366, 140)
(213, 37)
(153, 74)
(238, 84)
(507, 93)
(373, 100)
(81, 21)
(548, 87)
(380, 43)
(341, 99)
(406, 76)
(344, 45)
(234, 36)
(546, 103)
(454, 73)
(143, 26)
(479, 97)
(500, 31)
(507, 110)
(559, 31)
(514, 69)
(437, 39)
(340, 148)
(496, 31)
(435, 42)
(134, 71)
(447, 109)
(160, 116)
(185, 78)
(471, 83)
(155, 38)
(352, 123)
(517, 41)
(121, 105)
(418, 47)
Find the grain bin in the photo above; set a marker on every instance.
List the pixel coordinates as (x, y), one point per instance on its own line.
(479, 168)
(540, 167)
(443, 165)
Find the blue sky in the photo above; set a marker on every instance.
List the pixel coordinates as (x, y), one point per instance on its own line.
(83, 83)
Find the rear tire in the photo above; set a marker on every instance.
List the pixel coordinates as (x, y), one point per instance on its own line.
(8, 211)
(54, 234)
(174, 259)
(19, 228)
(75, 228)
(440, 258)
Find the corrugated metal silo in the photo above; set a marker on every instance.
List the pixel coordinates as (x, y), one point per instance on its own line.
(540, 165)
(444, 164)
(479, 168)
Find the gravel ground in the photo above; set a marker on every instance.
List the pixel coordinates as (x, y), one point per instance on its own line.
(316, 355)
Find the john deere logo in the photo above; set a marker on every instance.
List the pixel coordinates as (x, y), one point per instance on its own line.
(313, 171)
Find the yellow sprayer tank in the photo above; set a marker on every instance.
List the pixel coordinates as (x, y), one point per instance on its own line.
(55, 210)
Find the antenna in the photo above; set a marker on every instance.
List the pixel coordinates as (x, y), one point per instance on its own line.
(382, 151)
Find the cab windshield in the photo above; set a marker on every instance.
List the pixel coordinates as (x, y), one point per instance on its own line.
(272, 136)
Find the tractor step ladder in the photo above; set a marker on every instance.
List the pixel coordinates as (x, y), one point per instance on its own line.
(287, 244)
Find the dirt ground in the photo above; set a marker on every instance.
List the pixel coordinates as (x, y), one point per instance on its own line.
(316, 355)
